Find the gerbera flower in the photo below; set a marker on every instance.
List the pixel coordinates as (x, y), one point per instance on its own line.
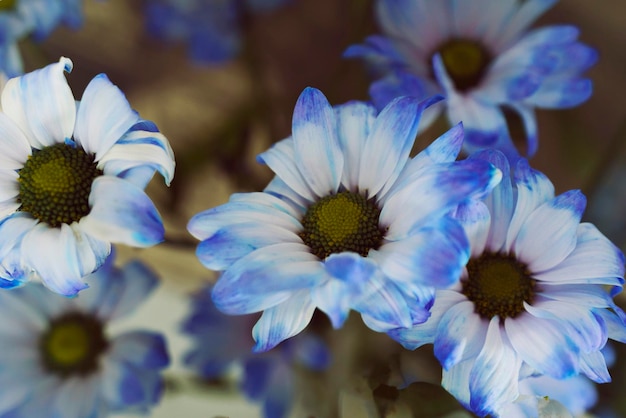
(211, 28)
(480, 55)
(59, 360)
(72, 178)
(347, 223)
(36, 18)
(221, 341)
(531, 299)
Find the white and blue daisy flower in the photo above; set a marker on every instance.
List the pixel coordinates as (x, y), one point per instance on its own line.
(58, 359)
(72, 178)
(35, 18)
(481, 56)
(531, 300)
(211, 28)
(349, 221)
(221, 341)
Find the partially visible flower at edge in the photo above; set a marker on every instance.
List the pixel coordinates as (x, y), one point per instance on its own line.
(531, 300)
(72, 178)
(211, 28)
(349, 222)
(221, 340)
(481, 56)
(61, 361)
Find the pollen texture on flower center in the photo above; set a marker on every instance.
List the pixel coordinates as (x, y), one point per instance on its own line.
(55, 184)
(465, 62)
(7, 4)
(342, 222)
(72, 345)
(498, 285)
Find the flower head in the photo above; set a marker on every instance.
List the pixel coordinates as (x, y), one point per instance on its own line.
(63, 363)
(531, 300)
(481, 56)
(349, 222)
(211, 28)
(222, 340)
(72, 178)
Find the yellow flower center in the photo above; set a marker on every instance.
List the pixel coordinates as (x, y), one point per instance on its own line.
(342, 222)
(498, 285)
(465, 62)
(73, 344)
(55, 183)
(7, 5)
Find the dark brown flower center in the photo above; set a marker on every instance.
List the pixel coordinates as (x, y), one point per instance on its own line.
(466, 62)
(498, 284)
(55, 183)
(342, 222)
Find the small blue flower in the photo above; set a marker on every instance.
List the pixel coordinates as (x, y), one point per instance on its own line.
(531, 300)
(72, 178)
(36, 18)
(222, 340)
(349, 222)
(58, 359)
(481, 56)
(211, 28)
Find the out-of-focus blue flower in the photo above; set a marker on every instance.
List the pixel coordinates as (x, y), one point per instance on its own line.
(349, 222)
(531, 300)
(211, 28)
(59, 361)
(481, 56)
(36, 18)
(72, 178)
(222, 340)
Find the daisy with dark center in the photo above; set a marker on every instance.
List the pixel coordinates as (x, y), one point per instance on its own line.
(349, 222)
(59, 359)
(72, 178)
(531, 300)
(481, 56)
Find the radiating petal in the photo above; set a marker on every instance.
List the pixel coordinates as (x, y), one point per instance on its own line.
(283, 321)
(266, 277)
(104, 115)
(494, 377)
(52, 253)
(122, 213)
(542, 344)
(14, 145)
(144, 349)
(594, 367)
(475, 218)
(141, 146)
(460, 335)
(317, 150)
(549, 233)
(42, 104)
(523, 17)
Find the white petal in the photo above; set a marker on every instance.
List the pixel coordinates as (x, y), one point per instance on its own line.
(14, 145)
(104, 115)
(42, 104)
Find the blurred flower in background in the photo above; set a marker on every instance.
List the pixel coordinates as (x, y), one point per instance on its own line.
(212, 29)
(221, 341)
(35, 18)
(59, 360)
(481, 56)
(73, 178)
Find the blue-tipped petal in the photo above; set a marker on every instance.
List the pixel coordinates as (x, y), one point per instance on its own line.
(493, 379)
(142, 348)
(42, 104)
(561, 94)
(593, 365)
(104, 115)
(122, 213)
(549, 233)
(283, 321)
(317, 150)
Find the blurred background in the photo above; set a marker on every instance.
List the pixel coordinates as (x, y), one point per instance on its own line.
(217, 118)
